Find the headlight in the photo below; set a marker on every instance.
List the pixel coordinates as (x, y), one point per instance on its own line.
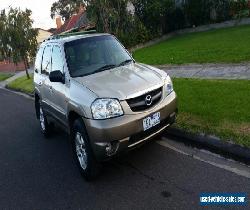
(105, 108)
(168, 86)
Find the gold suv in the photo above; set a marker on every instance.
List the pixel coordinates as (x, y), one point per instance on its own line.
(90, 85)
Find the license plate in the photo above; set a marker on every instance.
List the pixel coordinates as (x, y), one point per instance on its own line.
(151, 121)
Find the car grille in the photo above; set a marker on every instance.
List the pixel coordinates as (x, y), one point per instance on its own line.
(139, 103)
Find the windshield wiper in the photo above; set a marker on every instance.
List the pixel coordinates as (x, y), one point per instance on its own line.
(106, 67)
(103, 68)
(125, 62)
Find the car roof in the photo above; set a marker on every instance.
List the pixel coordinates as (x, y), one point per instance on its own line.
(62, 40)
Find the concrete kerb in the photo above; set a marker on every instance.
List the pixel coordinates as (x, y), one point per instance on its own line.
(215, 144)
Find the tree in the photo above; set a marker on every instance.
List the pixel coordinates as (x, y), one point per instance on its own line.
(65, 8)
(114, 17)
(4, 49)
(153, 13)
(108, 15)
(240, 8)
(18, 38)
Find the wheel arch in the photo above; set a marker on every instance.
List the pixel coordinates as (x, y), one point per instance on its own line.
(37, 105)
(72, 116)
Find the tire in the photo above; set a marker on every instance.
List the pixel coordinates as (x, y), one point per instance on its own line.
(45, 127)
(82, 151)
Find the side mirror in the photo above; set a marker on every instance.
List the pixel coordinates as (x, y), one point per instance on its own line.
(57, 76)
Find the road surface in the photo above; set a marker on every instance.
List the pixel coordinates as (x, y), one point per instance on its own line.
(38, 173)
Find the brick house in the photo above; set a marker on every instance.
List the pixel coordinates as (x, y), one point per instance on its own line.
(78, 20)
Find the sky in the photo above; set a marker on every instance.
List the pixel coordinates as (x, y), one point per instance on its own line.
(40, 11)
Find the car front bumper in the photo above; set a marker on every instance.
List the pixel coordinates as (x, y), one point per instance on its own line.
(126, 132)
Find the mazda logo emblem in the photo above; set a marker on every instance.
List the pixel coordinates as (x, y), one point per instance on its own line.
(148, 100)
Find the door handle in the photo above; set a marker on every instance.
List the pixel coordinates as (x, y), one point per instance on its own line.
(51, 88)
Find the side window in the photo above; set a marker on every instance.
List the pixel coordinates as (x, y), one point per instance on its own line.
(39, 60)
(46, 63)
(57, 60)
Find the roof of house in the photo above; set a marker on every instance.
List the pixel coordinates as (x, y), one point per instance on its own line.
(42, 29)
(72, 22)
(82, 21)
(76, 21)
(52, 30)
(62, 28)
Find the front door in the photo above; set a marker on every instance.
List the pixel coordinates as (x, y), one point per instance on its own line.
(57, 92)
(45, 82)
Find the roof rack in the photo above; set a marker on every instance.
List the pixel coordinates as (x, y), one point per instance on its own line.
(76, 33)
(73, 32)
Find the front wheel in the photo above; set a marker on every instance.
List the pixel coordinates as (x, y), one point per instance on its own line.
(83, 154)
(44, 125)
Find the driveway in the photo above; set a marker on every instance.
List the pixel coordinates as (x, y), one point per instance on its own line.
(209, 71)
(39, 174)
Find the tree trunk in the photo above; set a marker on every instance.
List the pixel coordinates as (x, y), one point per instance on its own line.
(26, 68)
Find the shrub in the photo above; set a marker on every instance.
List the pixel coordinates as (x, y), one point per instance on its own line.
(174, 20)
(134, 33)
(222, 9)
(239, 8)
(152, 13)
(197, 12)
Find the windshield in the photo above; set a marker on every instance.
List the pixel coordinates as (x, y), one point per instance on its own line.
(94, 54)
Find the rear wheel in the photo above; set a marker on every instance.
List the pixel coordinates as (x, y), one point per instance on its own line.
(83, 153)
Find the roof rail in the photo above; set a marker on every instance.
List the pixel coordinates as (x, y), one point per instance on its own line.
(72, 32)
(76, 33)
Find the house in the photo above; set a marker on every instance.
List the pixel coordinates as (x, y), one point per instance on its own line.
(42, 35)
(78, 20)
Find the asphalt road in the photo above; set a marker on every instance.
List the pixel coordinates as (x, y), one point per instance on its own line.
(37, 173)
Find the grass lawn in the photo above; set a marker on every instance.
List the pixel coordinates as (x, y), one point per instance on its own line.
(219, 107)
(229, 45)
(4, 76)
(22, 84)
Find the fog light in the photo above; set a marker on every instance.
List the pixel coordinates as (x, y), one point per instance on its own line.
(112, 148)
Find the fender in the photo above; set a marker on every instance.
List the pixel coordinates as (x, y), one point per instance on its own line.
(37, 95)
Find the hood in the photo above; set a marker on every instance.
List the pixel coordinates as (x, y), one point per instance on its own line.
(122, 82)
